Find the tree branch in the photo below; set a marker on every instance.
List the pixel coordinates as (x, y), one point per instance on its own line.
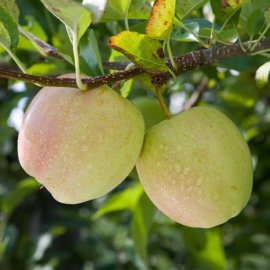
(190, 61)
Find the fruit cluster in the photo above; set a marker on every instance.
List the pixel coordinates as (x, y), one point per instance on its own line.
(195, 167)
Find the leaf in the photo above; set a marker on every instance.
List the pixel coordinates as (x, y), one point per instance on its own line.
(22, 190)
(124, 200)
(91, 62)
(217, 10)
(215, 260)
(254, 23)
(267, 16)
(262, 74)
(231, 5)
(126, 88)
(228, 35)
(180, 34)
(139, 9)
(142, 219)
(184, 7)
(4, 36)
(119, 5)
(161, 19)
(75, 17)
(140, 49)
(9, 23)
(11, 8)
(96, 7)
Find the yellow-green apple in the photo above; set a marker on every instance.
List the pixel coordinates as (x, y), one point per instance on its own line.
(196, 168)
(80, 144)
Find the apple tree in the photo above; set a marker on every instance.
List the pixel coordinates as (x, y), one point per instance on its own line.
(134, 134)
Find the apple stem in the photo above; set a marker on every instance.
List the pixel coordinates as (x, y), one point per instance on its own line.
(162, 102)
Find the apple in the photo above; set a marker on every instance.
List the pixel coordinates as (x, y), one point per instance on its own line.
(80, 144)
(196, 168)
(150, 109)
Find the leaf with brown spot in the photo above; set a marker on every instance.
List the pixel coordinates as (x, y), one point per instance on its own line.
(161, 19)
(140, 49)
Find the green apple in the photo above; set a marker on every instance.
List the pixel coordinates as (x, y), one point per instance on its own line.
(196, 168)
(80, 144)
(151, 110)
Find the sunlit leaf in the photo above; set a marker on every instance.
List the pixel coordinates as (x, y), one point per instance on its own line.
(126, 88)
(96, 7)
(213, 254)
(119, 5)
(262, 74)
(123, 200)
(140, 49)
(161, 19)
(75, 17)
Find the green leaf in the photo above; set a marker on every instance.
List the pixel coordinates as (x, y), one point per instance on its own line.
(161, 19)
(217, 259)
(142, 219)
(126, 88)
(11, 8)
(216, 7)
(262, 74)
(180, 34)
(8, 17)
(184, 7)
(124, 200)
(139, 9)
(91, 62)
(267, 16)
(140, 49)
(75, 17)
(22, 190)
(254, 23)
(119, 5)
(4, 36)
(227, 35)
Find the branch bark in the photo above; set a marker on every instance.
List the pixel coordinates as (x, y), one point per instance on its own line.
(188, 62)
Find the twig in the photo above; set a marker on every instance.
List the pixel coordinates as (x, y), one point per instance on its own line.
(197, 95)
(190, 61)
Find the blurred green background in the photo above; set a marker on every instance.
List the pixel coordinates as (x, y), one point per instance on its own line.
(123, 230)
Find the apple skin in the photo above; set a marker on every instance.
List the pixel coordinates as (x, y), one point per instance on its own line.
(80, 144)
(196, 168)
(150, 109)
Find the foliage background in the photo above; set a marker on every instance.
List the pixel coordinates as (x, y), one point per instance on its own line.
(123, 230)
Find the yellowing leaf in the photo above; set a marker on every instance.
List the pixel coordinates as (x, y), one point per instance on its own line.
(161, 19)
(140, 49)
(231, 5)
